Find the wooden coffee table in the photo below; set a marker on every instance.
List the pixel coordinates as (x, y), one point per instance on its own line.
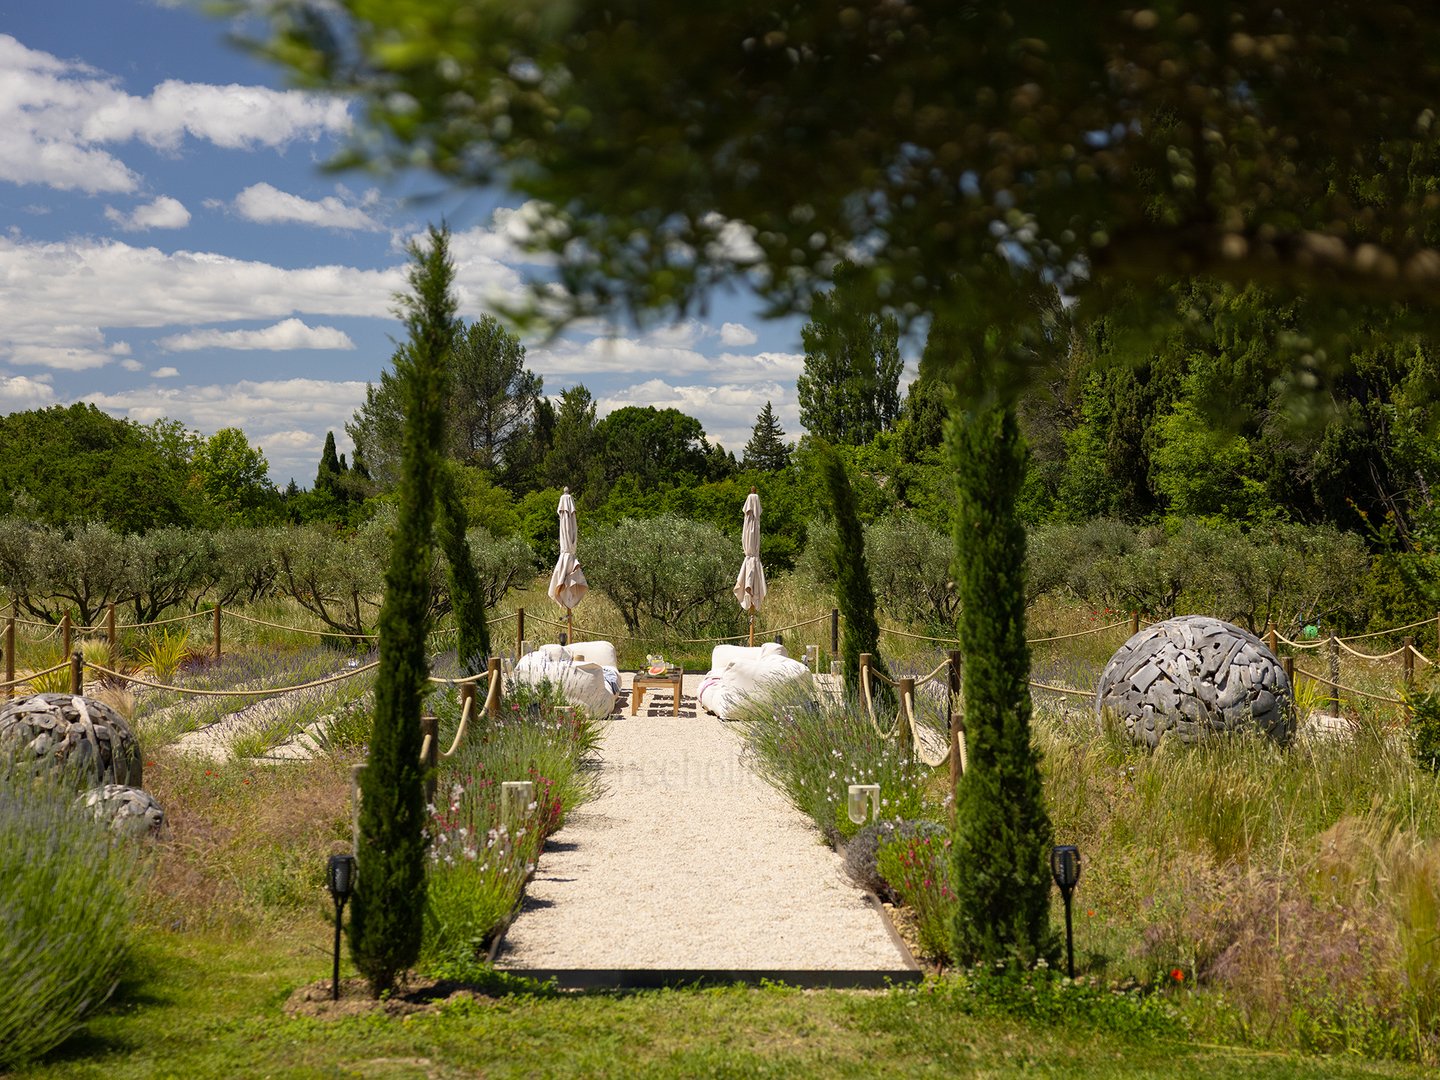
(675, 681)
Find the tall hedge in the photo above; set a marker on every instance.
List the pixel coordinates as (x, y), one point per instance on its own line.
(386, 918)
(1002, 832)
(853, 591)
(467, 594)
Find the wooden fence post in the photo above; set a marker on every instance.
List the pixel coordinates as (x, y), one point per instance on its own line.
(1134, 623)
(430, 730)
(1271, 638)
(66, 633)
(1408, 662)
(835, 630)
(1288, 663)
(905, 735)
(110, 636)
(217, 631)
(864, 670)
(77, 673)
(494, 701)
(519, 631)
(9, 657)
(467, 696)
(1334, 675)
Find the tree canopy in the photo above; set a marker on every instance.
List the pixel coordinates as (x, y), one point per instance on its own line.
(1088, 142)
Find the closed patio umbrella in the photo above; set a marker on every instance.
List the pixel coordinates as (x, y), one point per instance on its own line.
(750, 585)
(567, 582)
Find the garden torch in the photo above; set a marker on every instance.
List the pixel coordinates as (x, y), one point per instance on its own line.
(1065, 869)
(340, 877)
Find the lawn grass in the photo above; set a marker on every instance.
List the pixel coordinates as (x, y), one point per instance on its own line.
(200, 1006)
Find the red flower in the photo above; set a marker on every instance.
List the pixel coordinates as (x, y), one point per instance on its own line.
(1177, 974)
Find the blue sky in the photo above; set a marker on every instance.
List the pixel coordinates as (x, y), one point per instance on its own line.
(170, 247)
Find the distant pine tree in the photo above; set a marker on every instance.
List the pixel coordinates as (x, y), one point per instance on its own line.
(767, 448)
(386, 920)
(330, 467)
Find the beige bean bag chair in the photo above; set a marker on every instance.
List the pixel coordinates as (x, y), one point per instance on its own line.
(585, 674)
(740, 675)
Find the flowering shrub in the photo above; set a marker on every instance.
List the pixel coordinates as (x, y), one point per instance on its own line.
(917, 867)
(477, 861)
(812, 755)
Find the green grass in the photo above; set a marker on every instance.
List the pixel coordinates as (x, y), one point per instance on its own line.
(202, 1007)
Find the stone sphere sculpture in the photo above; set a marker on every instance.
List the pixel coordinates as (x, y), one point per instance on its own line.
(72, 731)
(126, 809)
(1195, 676)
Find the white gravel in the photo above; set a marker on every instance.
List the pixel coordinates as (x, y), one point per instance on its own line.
(690, 861)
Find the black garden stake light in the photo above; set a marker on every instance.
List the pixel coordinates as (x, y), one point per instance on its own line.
(340, 877)
(1065, 869)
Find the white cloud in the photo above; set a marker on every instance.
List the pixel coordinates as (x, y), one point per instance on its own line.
(283, 336)
(132, 365)
(163, 213)
(165, 373)
(287, 418)
(20, 392)
(727, 411)
(56, 357)
(733, 333)
(268, 205)
(90, 284)
(56, 116)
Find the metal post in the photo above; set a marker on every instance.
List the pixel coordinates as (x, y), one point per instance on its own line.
(66, 633)
(9, 657)
(519, 632)
(1408, 659)
(1069, 936)
(335, 975)
(77, 673)
(430, 729)
(494, 702)
(835, 630)
(217, 631)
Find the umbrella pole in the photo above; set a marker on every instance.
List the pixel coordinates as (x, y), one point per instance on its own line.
(569, 626)
(752, 629)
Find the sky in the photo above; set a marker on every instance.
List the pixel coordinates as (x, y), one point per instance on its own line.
(171, 247)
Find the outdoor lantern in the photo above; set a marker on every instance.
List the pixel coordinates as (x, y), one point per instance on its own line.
(1065, 869)
(515, 798)
(860, 795)
(340, 878)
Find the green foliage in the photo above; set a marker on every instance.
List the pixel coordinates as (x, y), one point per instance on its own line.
(467, 597)
(1424, 709)
(1204, 473)
(68, 887)
(854, 593)
(666, 572)
(767, 449)
(1044, 997)
(849, 389)
(918, 868)
(653, 447)
(163, 651)
(235, 478)
(812, 754)
(386, 915)
(1002, 831)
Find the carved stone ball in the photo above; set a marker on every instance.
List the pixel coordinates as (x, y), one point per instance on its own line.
(76, 732)
(125, 809)
(1195, 676)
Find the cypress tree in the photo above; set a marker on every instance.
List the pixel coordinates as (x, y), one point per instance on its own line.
(467, 596)
(767, 448)
(854, 592)
(1002, 832)
(330, 468)
(386, 917)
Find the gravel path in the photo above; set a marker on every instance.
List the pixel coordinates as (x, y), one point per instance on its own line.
(691, 862)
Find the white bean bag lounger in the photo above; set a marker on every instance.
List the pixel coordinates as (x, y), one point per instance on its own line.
(585, 674)
(741, 676)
